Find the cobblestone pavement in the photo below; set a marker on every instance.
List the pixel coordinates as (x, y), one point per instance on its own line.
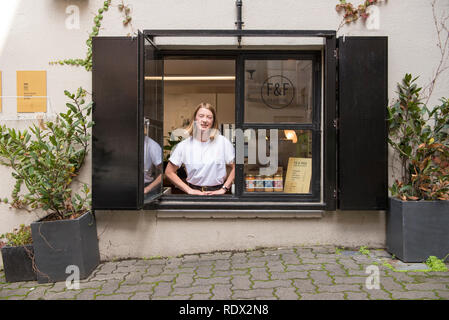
(305, 273)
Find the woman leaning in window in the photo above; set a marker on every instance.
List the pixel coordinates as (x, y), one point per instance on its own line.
(205, 155)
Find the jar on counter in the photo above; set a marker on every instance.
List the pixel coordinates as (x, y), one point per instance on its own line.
(268, 183)
(278, 185)
(259, 183)
(250, 183)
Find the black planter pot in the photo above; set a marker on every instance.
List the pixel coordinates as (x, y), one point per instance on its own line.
(18, 263)
(417, 229)
(59, 244)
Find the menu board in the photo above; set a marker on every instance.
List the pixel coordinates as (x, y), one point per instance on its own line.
(31, 91)
(299, 174)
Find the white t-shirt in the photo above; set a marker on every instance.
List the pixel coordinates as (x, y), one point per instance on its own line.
(205, 162)
(152, 157)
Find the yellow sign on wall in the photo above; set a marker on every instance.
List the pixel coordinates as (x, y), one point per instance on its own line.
(31, 91)
(299, 174)
(0, 91)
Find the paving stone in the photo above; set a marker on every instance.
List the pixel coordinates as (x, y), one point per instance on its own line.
(113, 297)
(204, 272)
(109, 287)
(414, 295)
(160, 278)
(402, 277)
(275, 267)
(222, 265)
(192, 290)
(87, 294)
(272, 284)
(183, 280)
(126, 263)
(259, 274)
(323, 249)
(162, 289)
(201, 296)
(320, 277)
(36, 293)
(334, 269)
(221, 292)
(155, 262)
(58, 287)
(13, 292)
(349, 264)
(442, 294)
(135, 288)
(349, 280)
(156, 270)
(69, 294)
(290, 259)
(246, 265)
(251, 294)
(377, 294)
(107, 268)
(141, 296)
(304, 253)
(289, 275)
(425, 286)
(238, 272)
(208, 281)
(241, 282)
(390, 285)
(304, 286)
(178, 297)
(304, 267)
(323, 296)
(356, 296)
(92, 284)
(340, 288)
(133, 278)
(111, 276)
(286, 294)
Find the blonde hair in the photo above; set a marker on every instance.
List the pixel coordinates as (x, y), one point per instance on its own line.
(214, 128)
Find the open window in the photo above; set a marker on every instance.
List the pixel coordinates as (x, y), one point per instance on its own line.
(280, 109)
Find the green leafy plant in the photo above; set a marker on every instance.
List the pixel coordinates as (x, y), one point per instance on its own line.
(364, 250)
(18, 237)
(171, 144)
(436, 264)
(420, 136)
(87, 61)
(48, 159)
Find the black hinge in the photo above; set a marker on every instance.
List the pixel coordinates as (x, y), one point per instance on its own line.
(336, 123)
(335, 194)
(336, 53)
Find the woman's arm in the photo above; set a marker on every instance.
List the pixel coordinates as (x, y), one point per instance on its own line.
(227, 184)
(170, 172)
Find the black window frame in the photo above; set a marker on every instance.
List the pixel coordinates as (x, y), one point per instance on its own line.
(327, 129)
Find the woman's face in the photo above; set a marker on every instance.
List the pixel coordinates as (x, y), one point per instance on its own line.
(204, 119)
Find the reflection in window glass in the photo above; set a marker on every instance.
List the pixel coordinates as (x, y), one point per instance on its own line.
(278, 91)
(278, 161)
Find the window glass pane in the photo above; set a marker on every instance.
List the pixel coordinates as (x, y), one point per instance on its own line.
(153, 121)
(278, 161)
(278, 91)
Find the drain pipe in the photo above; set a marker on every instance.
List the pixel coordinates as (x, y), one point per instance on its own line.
(239, 23)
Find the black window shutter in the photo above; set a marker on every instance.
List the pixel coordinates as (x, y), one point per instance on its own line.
(116, 181)
(362, 133)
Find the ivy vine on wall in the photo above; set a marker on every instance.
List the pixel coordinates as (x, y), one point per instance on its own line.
(87, 61)
(353, 13)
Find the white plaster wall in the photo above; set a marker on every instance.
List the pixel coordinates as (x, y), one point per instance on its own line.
(32, 33)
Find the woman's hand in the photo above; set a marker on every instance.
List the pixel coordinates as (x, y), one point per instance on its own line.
(196, 192)
(216, 192)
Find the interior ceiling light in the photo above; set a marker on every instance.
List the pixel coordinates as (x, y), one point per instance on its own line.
(187, 78)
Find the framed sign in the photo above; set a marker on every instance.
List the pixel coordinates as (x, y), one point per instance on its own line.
(299, 173)
(31, 91)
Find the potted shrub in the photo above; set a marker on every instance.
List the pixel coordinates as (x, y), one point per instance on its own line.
(46, 161)
(418, 214)
(17, 254)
